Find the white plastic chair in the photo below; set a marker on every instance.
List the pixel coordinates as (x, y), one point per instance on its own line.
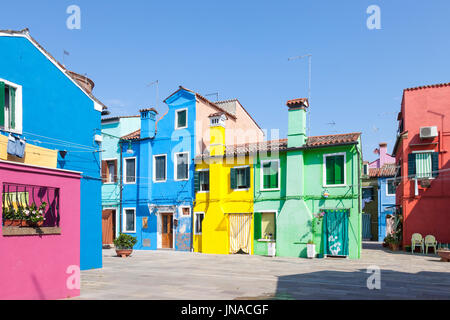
(416, 240)
(430, 241)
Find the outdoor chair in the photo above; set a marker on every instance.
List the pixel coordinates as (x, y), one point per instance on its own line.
(416, 240)
(430, 241)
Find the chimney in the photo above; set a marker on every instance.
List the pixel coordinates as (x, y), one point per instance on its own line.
(383, 153)
(148, 119)
(297, 122)
(217, 134)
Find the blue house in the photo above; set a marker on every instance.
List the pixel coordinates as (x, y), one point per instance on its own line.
(386, 198)
(158, 167)
(54, 108)
(113, 128)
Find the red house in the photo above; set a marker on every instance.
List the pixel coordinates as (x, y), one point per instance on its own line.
(422, 152)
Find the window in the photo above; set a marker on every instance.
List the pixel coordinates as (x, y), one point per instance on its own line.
(129, 223)
(265, 225)
(130, 170)
(270, 175)
(334, 169)
(367, 194)
(181, 119)
(186, 211)
(390, 187)
(423, 164)
(198, 222)
(109, 171)
(201, 181)
(365, 169)
(181, 166)
(240, 178)
(10, 106)
(159, 168)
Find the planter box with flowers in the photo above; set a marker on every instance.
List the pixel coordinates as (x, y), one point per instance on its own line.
(24, 216)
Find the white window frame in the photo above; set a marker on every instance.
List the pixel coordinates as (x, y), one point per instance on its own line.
(124, 169)
(180, 212)
(387, 187)
(175, 169)
(324, 165)
(244, 189)
(111, 159)
(261, 174)
(176, 118)
(426, 151)
(124, 220)
(18, 108)
(195, 222)
(154, 168)
(202, 191)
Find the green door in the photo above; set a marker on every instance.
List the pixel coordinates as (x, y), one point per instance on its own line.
(336, 232)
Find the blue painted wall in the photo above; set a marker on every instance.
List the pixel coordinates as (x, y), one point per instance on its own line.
(54, 107)
(385, 206)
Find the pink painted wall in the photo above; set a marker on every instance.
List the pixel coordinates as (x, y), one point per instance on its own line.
(384, 157)
(34, 267)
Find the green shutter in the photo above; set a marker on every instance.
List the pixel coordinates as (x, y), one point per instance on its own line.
(257, 228)
(196, 181)
(2, 104)
(12, 107)
(330, 163)
(435, 163)
(266, 177)
(233, 178)
(247, 177)
(339, 170)
(411, 164)
(274, 177)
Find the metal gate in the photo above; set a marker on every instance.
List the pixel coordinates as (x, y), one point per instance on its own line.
(366, 226)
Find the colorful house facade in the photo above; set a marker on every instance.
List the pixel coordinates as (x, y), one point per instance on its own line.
(158, 194)
(113, 128)
(45, 105)
(423, 191)
(306, 189)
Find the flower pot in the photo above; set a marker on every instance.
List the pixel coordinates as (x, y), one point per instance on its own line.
(25, 223)
(311, 250)
(394, 246)
(123, 252)
(12, 223)
(444, 254)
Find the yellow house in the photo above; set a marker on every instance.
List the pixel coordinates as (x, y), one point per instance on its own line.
(223, 209)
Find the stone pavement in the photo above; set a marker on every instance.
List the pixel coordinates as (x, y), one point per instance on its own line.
(184, 275)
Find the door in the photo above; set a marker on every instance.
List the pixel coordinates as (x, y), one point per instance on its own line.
(167, 230)
(240, 232)
(336, 232)
(108, 226)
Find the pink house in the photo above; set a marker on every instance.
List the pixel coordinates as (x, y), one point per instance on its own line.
(40, 262)
(384, 157)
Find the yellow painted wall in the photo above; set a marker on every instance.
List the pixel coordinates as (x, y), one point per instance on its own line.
(219, 202)
(34, 155)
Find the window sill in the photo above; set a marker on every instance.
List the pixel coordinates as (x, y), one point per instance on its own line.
(277, 189)
(335, 186)
(203, 191)
(243, 189)
(29, 231)
(266, 240)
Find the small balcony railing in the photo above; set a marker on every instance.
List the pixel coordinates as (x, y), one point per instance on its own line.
(29, 205)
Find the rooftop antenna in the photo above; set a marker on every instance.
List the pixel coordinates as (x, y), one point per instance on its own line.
(65, 53)
(213, 94)
(156, 83)
(309, 56)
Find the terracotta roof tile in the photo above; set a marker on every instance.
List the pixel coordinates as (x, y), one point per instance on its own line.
(388, 170)
(136, 135)
(300, 102)
(332, 139)
(438, 85)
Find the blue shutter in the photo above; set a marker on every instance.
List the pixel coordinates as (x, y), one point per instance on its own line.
(411, 164)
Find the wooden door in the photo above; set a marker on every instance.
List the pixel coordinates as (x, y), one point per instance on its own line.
(108, 226)
(167, 230)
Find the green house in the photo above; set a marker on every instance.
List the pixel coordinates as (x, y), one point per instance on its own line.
(307, 189)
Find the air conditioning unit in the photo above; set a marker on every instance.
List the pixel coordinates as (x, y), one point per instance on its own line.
(428, 132)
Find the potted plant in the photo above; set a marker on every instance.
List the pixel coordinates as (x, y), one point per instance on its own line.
(34, 215)
(311, 249)
(393, 242)
(11, 217)
(444, 253)
(124, 244)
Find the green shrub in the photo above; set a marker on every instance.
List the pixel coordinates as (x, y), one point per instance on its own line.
(125, 241)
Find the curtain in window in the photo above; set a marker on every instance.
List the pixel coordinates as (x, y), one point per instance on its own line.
(198, 223)
(240, 232)
(423, 165)
(182, 166)
(160, 168)
(204, 180)
(130, 167)
(336, 232)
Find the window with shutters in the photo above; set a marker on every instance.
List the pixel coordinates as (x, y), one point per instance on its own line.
(423, 165)
(265, 227)
(181, 166)
(201, 180)
(130, 170)
(181, 119)
(334, 171)
(129, 220)
(109, 171)
(10, 106)
(199, 216)
(240, 178)
(270, 175)
(159, 168)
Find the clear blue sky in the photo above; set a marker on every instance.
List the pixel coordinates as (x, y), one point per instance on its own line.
(241, 49)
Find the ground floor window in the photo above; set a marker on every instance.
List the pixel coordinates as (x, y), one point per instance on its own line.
(129, 223)
(265, 225)
(198, 222)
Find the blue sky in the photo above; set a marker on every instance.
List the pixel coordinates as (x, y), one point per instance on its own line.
(240, 49)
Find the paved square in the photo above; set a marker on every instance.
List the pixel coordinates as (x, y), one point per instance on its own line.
(184, 275)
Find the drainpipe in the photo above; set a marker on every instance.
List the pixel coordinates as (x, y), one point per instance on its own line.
(359, 193)
(121, 187)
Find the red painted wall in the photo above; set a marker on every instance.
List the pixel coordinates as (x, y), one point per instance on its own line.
(35, 267)
(429, 212)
